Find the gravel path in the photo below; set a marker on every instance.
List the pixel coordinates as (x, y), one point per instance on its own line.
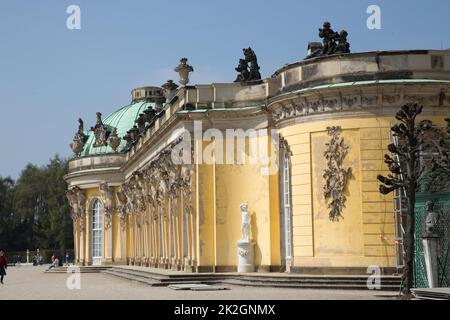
(31, 283)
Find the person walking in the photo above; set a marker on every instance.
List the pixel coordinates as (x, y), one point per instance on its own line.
(3, 265)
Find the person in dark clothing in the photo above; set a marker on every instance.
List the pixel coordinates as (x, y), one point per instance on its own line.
(3, 265)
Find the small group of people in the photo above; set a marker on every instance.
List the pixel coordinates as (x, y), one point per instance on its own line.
(37, 260)
(3, 265)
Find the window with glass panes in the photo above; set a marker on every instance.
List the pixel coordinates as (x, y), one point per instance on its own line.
(97, 229)
(287, 205)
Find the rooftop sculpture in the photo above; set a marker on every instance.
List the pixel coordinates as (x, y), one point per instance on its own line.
(333, 42)
(101, 132)
(243, 68)
(79, 140)
(183, 70)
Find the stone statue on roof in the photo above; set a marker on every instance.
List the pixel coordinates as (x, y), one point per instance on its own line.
(250, 61)
(79, 140)
(101, 132)
(332, 42)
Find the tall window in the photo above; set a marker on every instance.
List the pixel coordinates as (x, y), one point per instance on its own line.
(286, 205)
(97, 229)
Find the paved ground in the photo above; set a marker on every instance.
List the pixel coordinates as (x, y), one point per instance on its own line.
(31, 283)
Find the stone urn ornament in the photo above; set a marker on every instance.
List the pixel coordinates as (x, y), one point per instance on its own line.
(183, 70)
(79, 140)
(114, 140)
(169, 89)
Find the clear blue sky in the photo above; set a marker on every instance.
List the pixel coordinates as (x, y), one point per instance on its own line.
(50, 76)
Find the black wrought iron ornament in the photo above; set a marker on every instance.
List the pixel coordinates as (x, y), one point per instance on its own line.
(248, 67)
(79, 140)
(333, 42)
(336, 177)
(101, 132)
(435, 152)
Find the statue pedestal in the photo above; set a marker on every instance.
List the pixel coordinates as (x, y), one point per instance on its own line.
(430, 252)
(245, 252)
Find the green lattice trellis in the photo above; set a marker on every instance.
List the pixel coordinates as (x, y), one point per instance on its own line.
(441, 205)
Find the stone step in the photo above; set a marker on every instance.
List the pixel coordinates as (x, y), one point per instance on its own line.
(289, 277)
(256, 279)
(87, 269)
(164, 274)
(161, 279)
(432, 293)
(144, 280)
(167, 277)
(153, 278)
(308, 285)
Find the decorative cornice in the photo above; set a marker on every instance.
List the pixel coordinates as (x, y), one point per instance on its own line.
(360, 98)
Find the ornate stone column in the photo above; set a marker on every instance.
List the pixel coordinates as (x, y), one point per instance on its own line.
(122, 208)
(150, 193)
(76, 240)
(83, 244)
(77, 201)
(141, 215)
(188, 217)
(162, 199)
(108, 206)
(172, 195)
(132, 207)
(175, 187)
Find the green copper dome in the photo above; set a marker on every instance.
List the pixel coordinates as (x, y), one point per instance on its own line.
(122, 120)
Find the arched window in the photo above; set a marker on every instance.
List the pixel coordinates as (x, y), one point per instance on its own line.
(97, 230)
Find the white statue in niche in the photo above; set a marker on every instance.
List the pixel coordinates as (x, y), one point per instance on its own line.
(246, 219)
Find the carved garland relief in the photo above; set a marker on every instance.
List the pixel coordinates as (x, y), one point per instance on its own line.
(336, 177)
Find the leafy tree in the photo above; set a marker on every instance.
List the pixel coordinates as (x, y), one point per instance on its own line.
(34, 212)
(6, 200)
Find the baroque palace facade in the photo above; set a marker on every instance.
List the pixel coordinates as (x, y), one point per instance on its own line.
(314, 204)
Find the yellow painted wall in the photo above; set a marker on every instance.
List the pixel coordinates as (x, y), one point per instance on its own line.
(366, 234)
(224, 187)
(205, 212)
